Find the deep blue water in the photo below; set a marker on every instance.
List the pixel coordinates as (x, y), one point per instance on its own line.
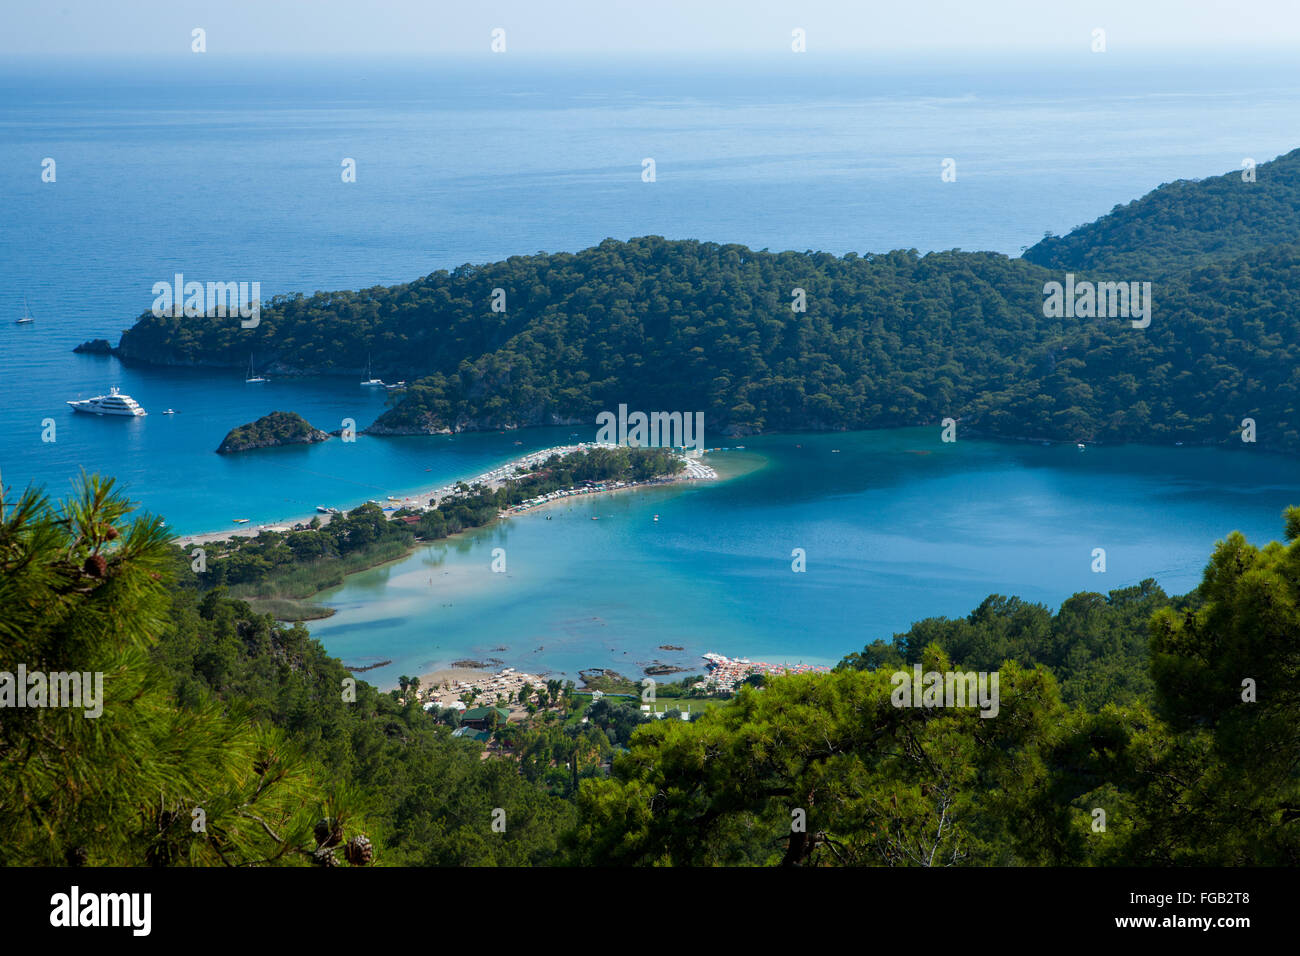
(229, 170)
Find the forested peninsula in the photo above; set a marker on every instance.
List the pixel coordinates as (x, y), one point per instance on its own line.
(764, 341)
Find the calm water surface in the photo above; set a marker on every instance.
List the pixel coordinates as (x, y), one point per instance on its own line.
(229, 170)
(896, 526)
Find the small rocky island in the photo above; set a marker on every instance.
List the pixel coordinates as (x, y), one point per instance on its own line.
(95, 347)
(272, 431)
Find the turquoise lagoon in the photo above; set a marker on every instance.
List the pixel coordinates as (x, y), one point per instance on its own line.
(895, 525)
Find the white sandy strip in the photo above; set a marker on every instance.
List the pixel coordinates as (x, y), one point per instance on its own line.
(492, 479)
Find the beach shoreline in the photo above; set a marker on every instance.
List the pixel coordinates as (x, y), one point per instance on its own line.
(421, 501)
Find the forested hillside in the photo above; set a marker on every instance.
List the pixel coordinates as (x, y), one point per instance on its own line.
(764, 341)
(1130, 732)
(214, 713)
(888, 340)
(1172, 723)
(1185, 224)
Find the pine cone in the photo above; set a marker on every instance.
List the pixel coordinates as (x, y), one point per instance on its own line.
(263, 763)
(359, 851)
(328, 833)
(110, 533)
(95, 567)
(323, 856)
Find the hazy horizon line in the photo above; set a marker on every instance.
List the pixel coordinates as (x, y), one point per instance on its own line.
(1211, 51)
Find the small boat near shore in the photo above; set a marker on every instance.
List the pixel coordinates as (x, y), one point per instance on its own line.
(253, 378)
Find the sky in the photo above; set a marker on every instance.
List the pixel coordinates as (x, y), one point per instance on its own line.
(693, 27)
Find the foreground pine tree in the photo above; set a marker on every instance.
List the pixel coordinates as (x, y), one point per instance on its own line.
(84, 588)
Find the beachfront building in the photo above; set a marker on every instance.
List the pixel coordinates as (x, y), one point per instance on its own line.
(480, 718)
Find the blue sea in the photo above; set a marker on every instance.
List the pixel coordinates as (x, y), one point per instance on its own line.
(228, 169)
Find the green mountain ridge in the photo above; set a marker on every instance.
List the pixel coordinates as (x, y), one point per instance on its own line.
(884, 340)
(1186, 223)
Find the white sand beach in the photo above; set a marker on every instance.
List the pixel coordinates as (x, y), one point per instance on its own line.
(422, 501)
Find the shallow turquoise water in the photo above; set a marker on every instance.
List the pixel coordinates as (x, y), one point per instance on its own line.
(896, 526)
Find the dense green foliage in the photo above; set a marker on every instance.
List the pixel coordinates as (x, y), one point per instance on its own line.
(1184, 224)
(1174, 723)
(1186, 757)
(275, 555)
(208, 705)
(269, 431)
(147, 781)
(886, 340)
(1095, 643)
(429, 798)
(878, 784)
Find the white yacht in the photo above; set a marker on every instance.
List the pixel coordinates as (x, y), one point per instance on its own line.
(114, 403)
(253, 378)
(27, 315)
(371, 381)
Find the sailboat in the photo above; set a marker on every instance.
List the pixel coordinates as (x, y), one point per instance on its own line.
(371, 381)
(253, 378)
(27, 315)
